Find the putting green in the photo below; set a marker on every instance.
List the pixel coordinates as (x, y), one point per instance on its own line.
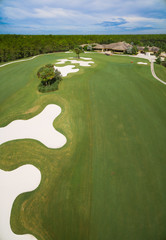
(108, 181)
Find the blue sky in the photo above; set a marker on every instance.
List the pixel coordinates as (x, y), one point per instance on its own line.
(82, 16)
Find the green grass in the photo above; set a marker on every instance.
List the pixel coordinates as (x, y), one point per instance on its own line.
(160, 71)
(108, 181)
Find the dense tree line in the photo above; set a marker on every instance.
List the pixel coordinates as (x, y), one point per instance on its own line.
(22, 46)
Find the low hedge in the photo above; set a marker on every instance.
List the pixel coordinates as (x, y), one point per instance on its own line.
(49, 88)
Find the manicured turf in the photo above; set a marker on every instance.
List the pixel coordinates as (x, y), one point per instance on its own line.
(108, 181)
(160, 71)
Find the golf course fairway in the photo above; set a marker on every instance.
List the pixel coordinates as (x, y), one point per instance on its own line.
(108, 181)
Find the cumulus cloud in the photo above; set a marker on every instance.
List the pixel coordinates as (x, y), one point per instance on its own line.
(85, 16)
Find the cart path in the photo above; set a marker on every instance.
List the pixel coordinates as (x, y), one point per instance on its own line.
(23, 60)
(154, 74)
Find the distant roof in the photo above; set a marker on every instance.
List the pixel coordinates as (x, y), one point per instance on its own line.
(83, 45)
(119, 46)
(99, 46)
(153, 49)
(140, 48)
(163, 54)
(122, 46)
(94, 44)
(87, 44)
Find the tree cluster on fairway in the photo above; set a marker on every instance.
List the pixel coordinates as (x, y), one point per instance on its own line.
(49, 78)
(22, 46)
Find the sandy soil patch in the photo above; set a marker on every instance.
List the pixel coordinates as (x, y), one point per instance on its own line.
(24, 179)
(142, 63)
(33, 109)
(39, 128)
(66, 69)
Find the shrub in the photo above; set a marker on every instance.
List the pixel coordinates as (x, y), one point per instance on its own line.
(164, 63)
(40, 71)
(49, 78)
(85, 48)
(48, 88)
(134, 50)
(129, 50)
(89, 48)
(49, 65)
(158, 60)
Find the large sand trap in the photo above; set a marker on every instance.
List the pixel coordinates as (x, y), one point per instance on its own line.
(24, 179)
(142, 63)
(39, 128)
(81, 63)
(66, 69)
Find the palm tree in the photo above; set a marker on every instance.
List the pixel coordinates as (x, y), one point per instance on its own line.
(77, 51)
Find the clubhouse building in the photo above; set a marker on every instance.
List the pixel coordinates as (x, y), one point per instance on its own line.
(120, 47)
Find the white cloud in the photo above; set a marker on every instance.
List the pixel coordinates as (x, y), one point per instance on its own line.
(42, 13)
(48, 14)
(84, 14)
(89, 5)
(53, 13)
(15, 13)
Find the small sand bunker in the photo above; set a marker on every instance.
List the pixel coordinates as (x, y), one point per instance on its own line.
(62, 61)
(142, 63)
(68, 52)
(24, 179)
(81, 63)
(80, 57)
(66, 69)
(39, 128)
(86, 58)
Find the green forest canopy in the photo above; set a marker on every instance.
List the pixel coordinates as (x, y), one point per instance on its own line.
(21, 46)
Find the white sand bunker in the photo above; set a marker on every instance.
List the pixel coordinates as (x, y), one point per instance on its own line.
(81, 63)
(86, 58)
(24, 179)
(142, 63)
(68, 52)
(66, 69)
(62, 61)
(80, 57)
(39, 128)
